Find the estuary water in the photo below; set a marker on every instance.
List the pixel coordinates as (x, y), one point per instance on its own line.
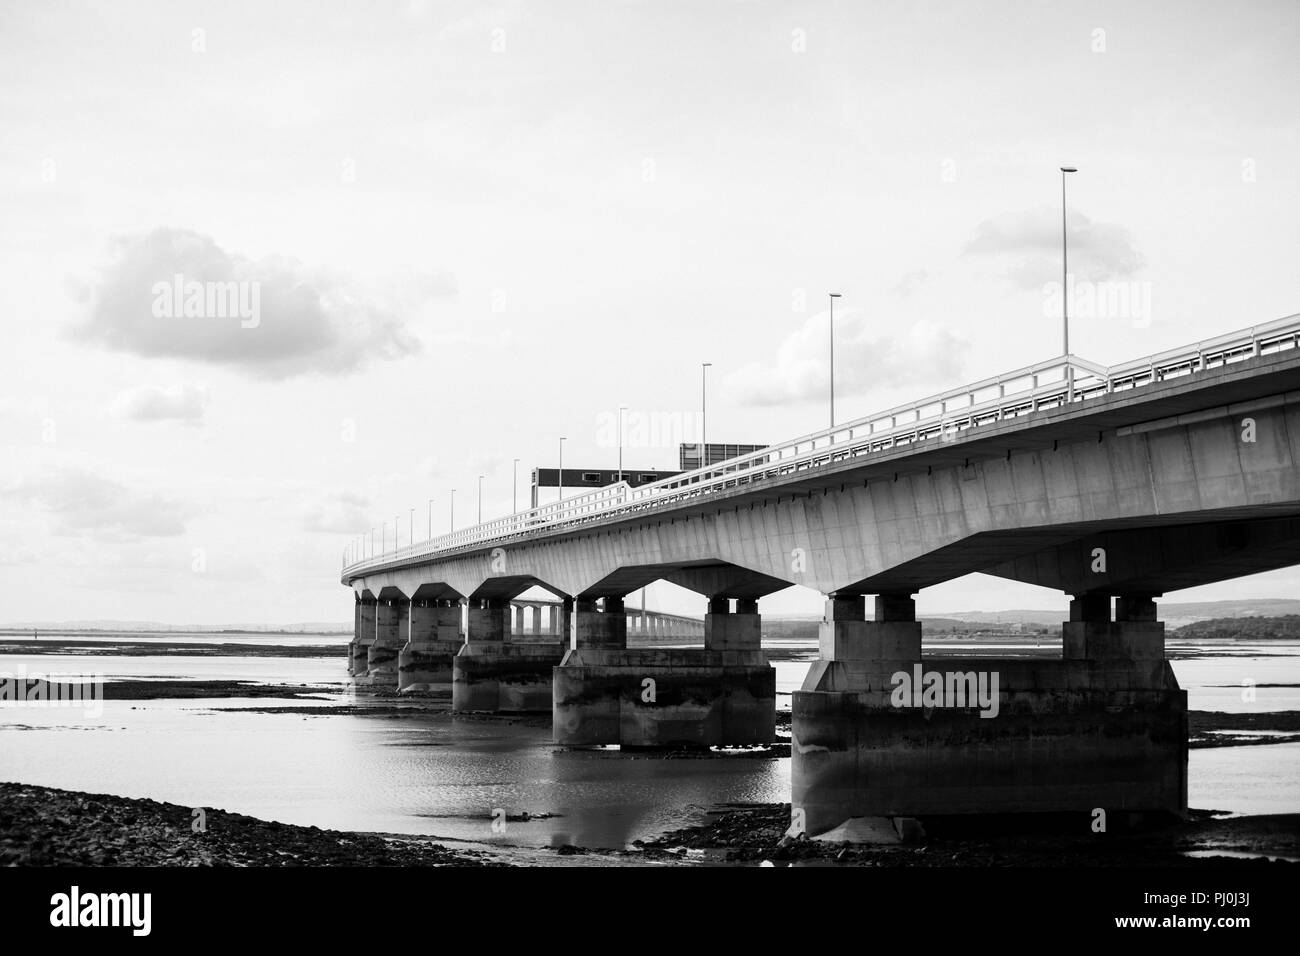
(409, 771)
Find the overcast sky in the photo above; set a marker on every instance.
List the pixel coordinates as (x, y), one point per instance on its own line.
(477, 227)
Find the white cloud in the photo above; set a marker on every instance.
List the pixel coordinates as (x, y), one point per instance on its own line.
(864, 358)
(340, 512)
(82, 503)
(305, 321)
(153, 403)
(1029, 240)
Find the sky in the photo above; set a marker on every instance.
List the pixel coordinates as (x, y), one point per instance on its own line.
(474, 228)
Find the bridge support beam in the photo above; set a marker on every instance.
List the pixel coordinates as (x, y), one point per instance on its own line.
(360, 647)
(608, 693)
(497, 672)
(881, 731)
(434, 640)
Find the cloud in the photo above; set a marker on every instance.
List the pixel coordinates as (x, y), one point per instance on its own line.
(863, 359)
(340, 512)
(1030, 241)
(82, 503)
(153, 403)
(272, 318)
(911, 282)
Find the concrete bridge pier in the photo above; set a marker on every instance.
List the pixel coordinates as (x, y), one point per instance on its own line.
(500, 672)
(881, 731)
(359, 660)
(356, 635)
(425, 663)
(392, 618)
(608, 693)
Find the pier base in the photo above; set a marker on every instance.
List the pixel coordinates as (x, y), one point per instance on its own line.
(492, 673)
(381, 659)
(607, 693)
(425, 663)
(496, 677)
(1104, 728)
(359, 648)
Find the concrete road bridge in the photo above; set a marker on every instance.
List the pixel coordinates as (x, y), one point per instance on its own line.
(1114, 485)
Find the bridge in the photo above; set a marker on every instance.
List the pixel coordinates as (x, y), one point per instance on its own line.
(408, 660)
(1114, 485)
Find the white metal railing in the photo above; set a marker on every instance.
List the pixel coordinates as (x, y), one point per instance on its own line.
(1049, 384)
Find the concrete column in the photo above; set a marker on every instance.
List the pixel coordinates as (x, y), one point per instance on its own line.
(723, 694)
(365, 637)
(606, 628)
(423, 623)
(516, 620)
(1135, 634)
(392, 620)
(495, 672)
(894, 635)
(725, 631)
(356, 633)
(488, 621)
(425, 663)
(447, 615)
(564, 612)
(537, 619)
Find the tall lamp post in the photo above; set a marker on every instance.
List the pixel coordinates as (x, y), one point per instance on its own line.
(453, 510)
(480, 499)
(514, 495)
(833, 297)
(430, 519)
(560, 474)
(704, 412)
(1065, 290)
(621, 409)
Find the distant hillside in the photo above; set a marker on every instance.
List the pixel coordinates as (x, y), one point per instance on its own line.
(1172, 613)
(131, 627)
(1282, 628)
(800, 629)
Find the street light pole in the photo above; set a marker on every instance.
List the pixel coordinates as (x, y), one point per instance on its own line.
(411, 530)
(704, 411)
(480, 499)
(1065, 289)
(833, 296)
(560, 480)
(430, 519)
(621, 409)
(514, 495)
(453, 509)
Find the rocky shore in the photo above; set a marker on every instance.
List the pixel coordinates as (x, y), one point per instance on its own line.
(759, 834)
(41, 826)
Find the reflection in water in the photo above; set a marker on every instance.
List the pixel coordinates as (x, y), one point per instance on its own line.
(414, 772)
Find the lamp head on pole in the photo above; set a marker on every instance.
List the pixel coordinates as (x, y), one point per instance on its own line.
(1069, 169)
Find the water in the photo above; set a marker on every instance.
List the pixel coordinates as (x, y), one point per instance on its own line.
(421, 773)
